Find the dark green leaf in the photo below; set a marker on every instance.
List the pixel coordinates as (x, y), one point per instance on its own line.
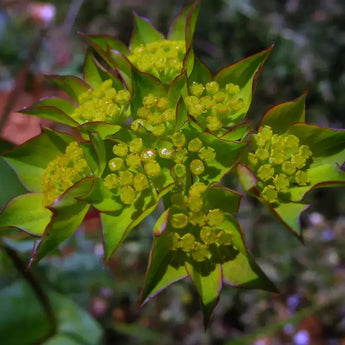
(243, 73)
(143, 33)
(200, 74)
(104, 129)
(222, 198)
(282, 116)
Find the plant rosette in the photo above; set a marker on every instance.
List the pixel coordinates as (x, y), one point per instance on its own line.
(197, 236)
(288, 158)
(99, 101)
(149, 51)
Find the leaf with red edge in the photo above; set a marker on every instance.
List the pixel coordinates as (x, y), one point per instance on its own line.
(239, 268)
(247, 179)
(104, 43)
(207, 278)
(280, 117)
(31, 159)
(56, 109)
(72, 85)
(200, 73)
(165, 266)
(183, 26)
(68, 213)
(143, 33)
(26, 213)
(244, 74)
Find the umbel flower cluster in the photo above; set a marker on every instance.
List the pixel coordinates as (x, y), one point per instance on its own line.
(153, 126)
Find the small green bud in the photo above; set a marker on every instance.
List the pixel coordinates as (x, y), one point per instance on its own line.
(262, 154)
(152, 168)
(195, 145)
(265, 172)
(162, 103)
(149, 100)
(301, 178)
(281, 182)
(126, 178)
(277, 156)
(179, 220)
(140, 182)
(213, 123)
(225, 238)
(200, 252)
(270, 194)
(196, 89)
(197, 189)
(133, 160)
(179, 170)
(215, 217)
(195, 203)
(232, 89)
(111, 181)
(178, 139)
(207, 154)
(197, 167)
(127, 195)
(144, 112)
(166, 152)
(212, 87)
(122, 97)
(158, 130)
(120, 149)
(187, 242)
(288, 168)
(136, 145)
(169, 115)
(148, 154)
(181, 155)
(208, 235)
(115, 164)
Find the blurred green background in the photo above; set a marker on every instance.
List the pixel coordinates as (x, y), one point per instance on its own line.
(71, 297)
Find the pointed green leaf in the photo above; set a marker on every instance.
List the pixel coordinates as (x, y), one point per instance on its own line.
(165, 267)
(247, 179)
(238, 132)
(56, 109)
(105, 130)
(222, 198)
(69, 211)
(280, 117)
(177, 89)
(207, 278)
(121, 64)
(72, 85)
(289, 214)
(104, 43)
(244, 74)
(143, 33)
(117, 225)
(200, 73)
(183, 26)
(241, 270)
(30, 159)
(26, 213)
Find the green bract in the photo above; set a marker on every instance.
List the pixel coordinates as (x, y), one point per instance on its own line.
(158, 127)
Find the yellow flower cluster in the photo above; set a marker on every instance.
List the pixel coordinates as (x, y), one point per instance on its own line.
(64, 171)
(279, 162)
(192, 211)
(163, 59)
(212, 106)
(102, 104)
(130, 169)
(155, 116)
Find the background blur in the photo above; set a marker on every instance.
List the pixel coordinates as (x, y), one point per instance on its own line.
(92, 304)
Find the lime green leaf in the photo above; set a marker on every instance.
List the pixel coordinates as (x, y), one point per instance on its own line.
(30, 159)
(183, 26)
(165, 268)
(222, 198)
(144, 33)
(91, 70)
(289, 214)
(244, 74)
(69, 211)
(247, 179)
(10, 185)
(181, 115)
(104, 43)
(161, 223)
(105, 130)
(56, 109)
(200, 73)
(26, 212)
(207, 278)
(72, 85)
(280, 117)
(177, 89)
(117, 225)
(239, 268)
